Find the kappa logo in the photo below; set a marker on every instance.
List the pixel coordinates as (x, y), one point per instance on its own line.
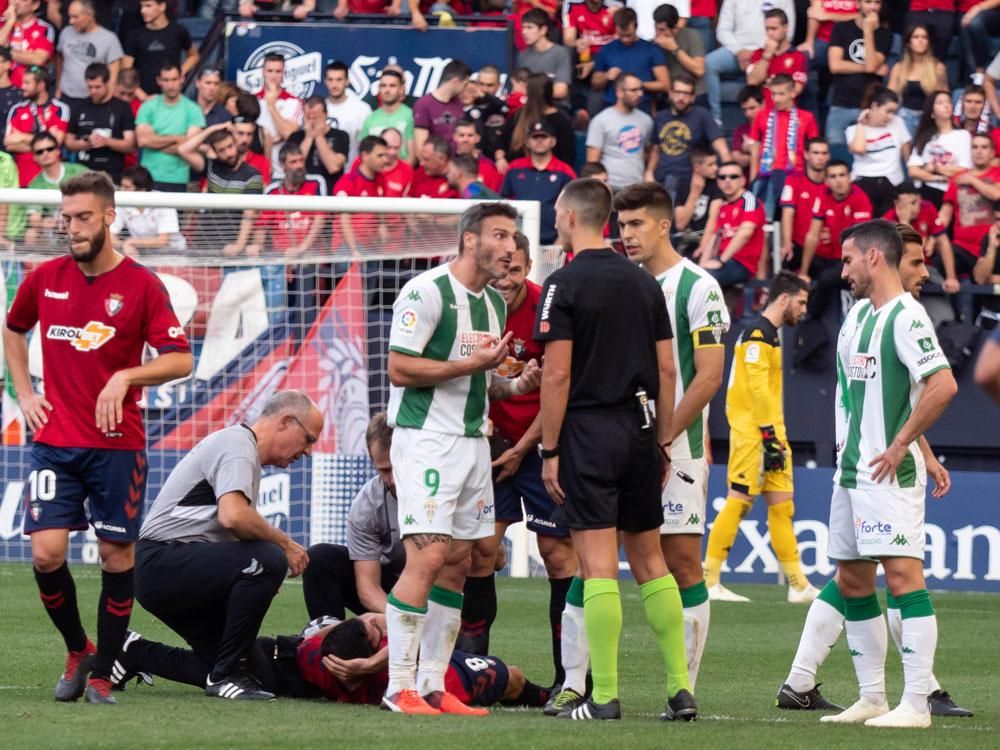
(409, 520)
(899, 540)
(413, 296)
(854, 652)
(713, 296)
(694, 520)
(89, 338)
(916, 324)
(907, 650)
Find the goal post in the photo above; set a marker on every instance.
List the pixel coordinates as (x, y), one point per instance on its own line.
(305, 309)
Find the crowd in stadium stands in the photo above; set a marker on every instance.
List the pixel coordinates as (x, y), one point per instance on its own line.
(853, 109)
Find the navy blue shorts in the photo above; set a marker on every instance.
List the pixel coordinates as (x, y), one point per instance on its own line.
(527, 485)
(112, 482)
(476, 680)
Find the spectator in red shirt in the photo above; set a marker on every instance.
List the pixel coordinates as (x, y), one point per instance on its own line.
(397, 176)
(987, 270)
(910, 209)
(358, 231)
(367, 7)
(797, 200)
(777, 56)
(751, 99)
(968, 203)
(821, 17)
(38, 112)
(430, 179)
(778, 142)
(465, 139)
(32, 41)
(734, 231)
(843, 204)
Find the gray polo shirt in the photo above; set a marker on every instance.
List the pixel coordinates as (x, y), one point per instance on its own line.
(373, 526)
(187, 508)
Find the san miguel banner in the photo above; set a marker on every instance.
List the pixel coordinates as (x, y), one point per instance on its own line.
(365, 49)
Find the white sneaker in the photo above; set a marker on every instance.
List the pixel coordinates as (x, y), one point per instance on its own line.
(802, 596)
(903, 716)
(719, 593)
(861, 711)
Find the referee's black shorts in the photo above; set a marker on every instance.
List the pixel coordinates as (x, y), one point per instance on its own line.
(610, 470)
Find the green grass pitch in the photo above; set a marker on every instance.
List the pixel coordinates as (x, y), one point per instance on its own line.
(749, 650)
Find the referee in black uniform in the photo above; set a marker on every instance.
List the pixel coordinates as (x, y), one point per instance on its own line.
(607, 358)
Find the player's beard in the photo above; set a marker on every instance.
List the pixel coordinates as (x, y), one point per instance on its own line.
(96, 245)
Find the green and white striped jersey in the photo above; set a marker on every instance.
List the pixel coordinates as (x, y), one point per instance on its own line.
(883, 358)
(699, 317)
(435, 317)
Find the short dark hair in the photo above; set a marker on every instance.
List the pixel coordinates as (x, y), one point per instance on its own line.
(474, 216)
(378, 432)
(466, 163)
(248, 106)
(348, 640)
(274, 57)
(649, 195)
(877, 233)
(906, 188)
(625, 17)
(42, 137)
(837, 163)
(536, 17)
(314, 101)
(96, 70)
(288, 149)
(987, 136)
(40, 73)
(730, 163)
(455, 69)
(93, 183)
(218, 136)
(685, 78)
(781, 79)
(667, 14)
(522, 244)
(140, 177)
(465, 122)
(996, 206)
(5, 53)
(700, 152)
(974, 88)
(785, 282)
(750, 92)
(392, 73)
(779, 14)
(592, 169)
(439, 144)
(591, 199)
(166, 65)
(909, 235)
(817, 140)
(127, 77)
(369, 142)
(335, 65)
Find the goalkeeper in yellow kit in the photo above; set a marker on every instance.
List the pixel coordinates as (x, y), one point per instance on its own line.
(760, 459)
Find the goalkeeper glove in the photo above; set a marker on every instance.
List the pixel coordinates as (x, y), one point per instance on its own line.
(774, 452)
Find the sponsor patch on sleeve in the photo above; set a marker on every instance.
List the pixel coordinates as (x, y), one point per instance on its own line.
(407, 323)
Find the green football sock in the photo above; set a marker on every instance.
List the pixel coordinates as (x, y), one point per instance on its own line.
(602, 614)
(665, 614)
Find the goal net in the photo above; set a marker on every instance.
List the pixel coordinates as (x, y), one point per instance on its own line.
(273, 292)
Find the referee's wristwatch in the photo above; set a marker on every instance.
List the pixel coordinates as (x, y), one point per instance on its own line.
(545, 453)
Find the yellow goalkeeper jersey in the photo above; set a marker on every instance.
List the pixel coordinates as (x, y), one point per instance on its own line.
(754, 394)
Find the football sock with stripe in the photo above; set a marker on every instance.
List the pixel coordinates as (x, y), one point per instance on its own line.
(697, 614)
(531, 695)
(444, 617)
(558, 587)
(405, 626)
(114, 608)
(573, 640)
(479, 610)
(786, 549)
(867, 641)
(602, 613)
(665, 614)
(824, 623)
(892, 614)
(918, 644)
(722, 535)
(58, 593)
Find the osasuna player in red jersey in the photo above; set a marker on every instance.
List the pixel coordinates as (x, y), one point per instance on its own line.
(96, 309)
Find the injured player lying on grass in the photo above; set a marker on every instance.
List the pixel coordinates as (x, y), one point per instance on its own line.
(344, 661)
